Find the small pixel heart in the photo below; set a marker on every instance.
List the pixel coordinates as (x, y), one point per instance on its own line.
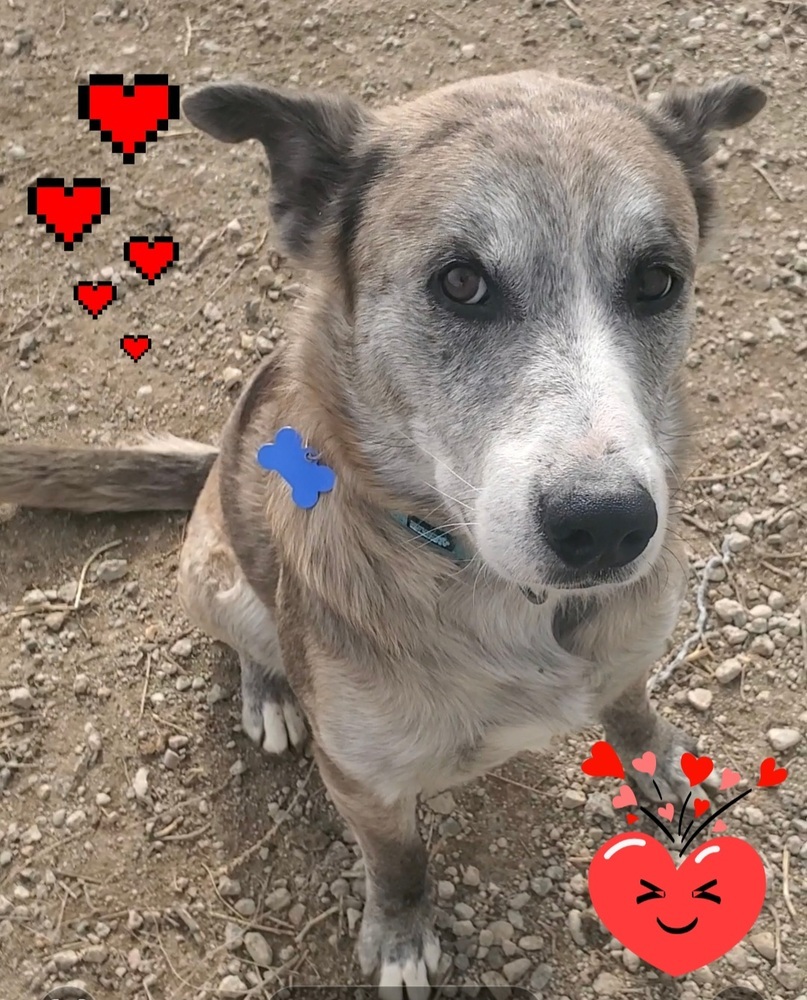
(604, 762)
(729, 780)
(631, 817)
(95, 296)
(700, 806)
(135, 347)
(696, 769)
(770, 774)
(151, 258)
(720, 826)
(129, 116)
(624, 797)
(646, 764)
(68, 212)
(667, 812)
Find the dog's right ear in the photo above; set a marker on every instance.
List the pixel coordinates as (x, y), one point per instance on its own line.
(308, 140)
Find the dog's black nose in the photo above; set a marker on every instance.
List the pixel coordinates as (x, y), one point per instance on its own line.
(597, 532)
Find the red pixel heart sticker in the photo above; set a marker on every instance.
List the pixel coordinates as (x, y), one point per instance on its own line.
(151, 258)
(677, 919)
(135, 346)
(129, 116)
(696, 769)
(770, 775)
(95, 296)
(69, 212)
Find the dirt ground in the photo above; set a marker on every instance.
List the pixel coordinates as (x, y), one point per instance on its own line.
(146, 848)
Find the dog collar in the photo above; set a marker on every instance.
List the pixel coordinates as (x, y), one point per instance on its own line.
(307, 478)
(443, 540)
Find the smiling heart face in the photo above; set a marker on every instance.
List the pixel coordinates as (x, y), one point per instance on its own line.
(677, 919)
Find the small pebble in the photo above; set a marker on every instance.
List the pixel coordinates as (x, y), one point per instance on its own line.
(784, 739)
(700, 699)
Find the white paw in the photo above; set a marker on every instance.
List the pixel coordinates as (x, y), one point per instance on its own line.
(270, 715)
(405, 950)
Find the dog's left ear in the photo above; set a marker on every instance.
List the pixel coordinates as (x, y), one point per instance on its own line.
(697, 111)
(685, 118)
(308, 138)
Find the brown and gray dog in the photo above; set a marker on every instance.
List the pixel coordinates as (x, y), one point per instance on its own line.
(489, 362)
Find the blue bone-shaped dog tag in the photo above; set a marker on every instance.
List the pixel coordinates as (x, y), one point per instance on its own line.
(298, 466)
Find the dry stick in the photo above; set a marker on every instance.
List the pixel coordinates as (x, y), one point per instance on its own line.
(188, 36)
(786, 884)
(721, 477)
(251, 851)
(316, 920)
(145, 687)
(777, 937)
(632, 83)
(573, 8)
(712, 818)
(93, 556)
(764, 175)
(235, 918)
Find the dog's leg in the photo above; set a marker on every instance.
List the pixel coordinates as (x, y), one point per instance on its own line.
(632, 726)
(218, 599)
(397, 936)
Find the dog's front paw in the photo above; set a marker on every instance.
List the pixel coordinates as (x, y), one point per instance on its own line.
(669, 783)
(403, 948)
(270, 715)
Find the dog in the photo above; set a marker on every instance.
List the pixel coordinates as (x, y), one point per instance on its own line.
(440, 527)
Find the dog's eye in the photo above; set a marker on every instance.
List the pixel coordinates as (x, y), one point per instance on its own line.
(653, 284)
(464, 284)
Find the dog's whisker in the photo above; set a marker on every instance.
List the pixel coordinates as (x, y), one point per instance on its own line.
(444, 464)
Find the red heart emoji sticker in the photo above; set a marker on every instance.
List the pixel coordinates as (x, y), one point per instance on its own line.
(68, 211)
(696, 769)
(771, 775)
(700, 806)
(135, 347)
(677, 919)
(631, 817)
(95, 296)
(129, 116)
(151, 258)
(604, 762)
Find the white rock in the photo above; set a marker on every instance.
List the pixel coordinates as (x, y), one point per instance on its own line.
(783, 739)
(258, 949)
(729, 670)
(21, 697)
(140, 783)
(232, 377)
(573, 798)
(700, 699)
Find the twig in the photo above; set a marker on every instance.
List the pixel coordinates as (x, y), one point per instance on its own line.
(93, 556)
(188, 35)
(722, 477)
(236, 918)
(517, 784)
(764, 175)
(777, 937)
(803, 610)
(145, 688)
(316, 920)
(786, 884)
(776, 570)
(264, 840)
(632, 84)
(176, 838)
(573, 8)
(273, 976)
(60, 29)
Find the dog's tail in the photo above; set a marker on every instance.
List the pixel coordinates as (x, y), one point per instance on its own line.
(160, 473)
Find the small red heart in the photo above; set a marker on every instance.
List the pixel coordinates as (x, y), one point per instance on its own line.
(701, 806)
(631, 817)
(677, 929)
(604, 762)
(151, 258)
(696, 769)
(95, 296)
(69, 213)
(128, 116)
(770, 774)
(135, 347)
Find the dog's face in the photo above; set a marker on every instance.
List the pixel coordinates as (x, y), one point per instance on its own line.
(516, 258)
